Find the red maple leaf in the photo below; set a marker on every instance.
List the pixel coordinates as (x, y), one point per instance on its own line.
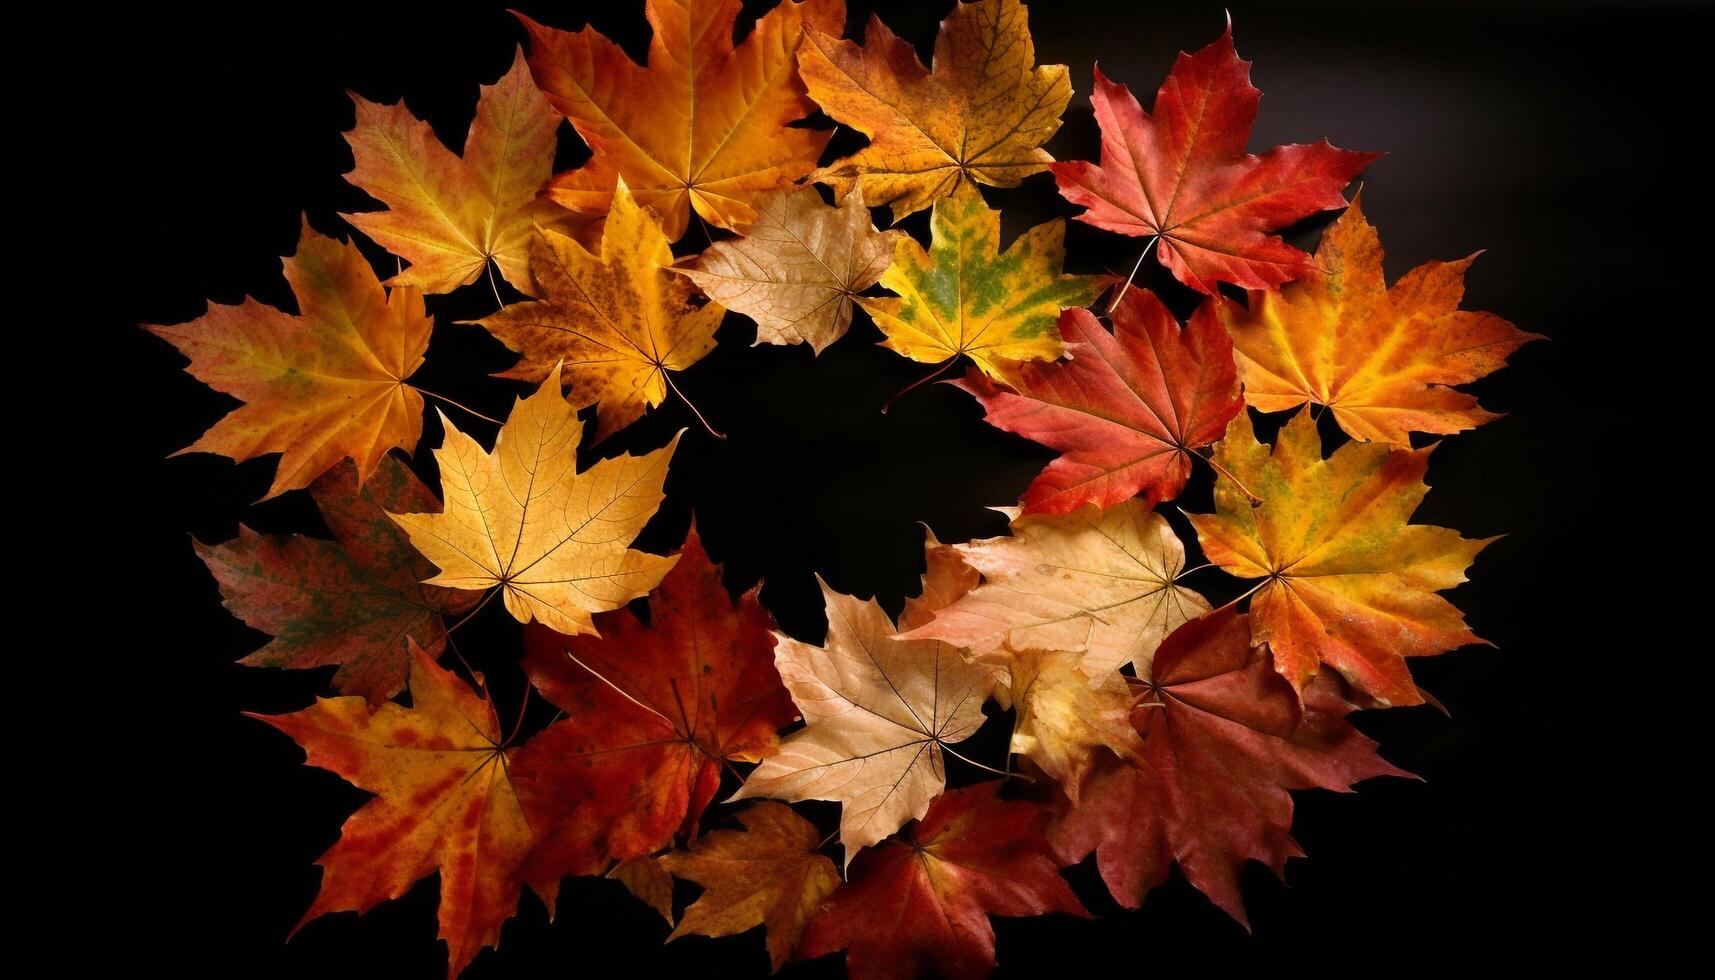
(653, 714)
(1125, 409)
(1225, 737)
(1182, 174)
(919, 904)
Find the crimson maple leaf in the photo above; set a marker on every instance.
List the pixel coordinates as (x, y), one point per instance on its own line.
(653, 714)
(1224, 737)
(1181, 174)
(1125, 409)
(920, 903)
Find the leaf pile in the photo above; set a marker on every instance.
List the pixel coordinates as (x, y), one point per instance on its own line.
(1153, 727)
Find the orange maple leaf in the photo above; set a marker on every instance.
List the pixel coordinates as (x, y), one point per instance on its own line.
(443, 802)
(703, 125)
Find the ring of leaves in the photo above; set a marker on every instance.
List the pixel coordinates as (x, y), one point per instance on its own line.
(1148, 728)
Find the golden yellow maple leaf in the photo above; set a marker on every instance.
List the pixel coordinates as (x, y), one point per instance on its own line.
(769, 874)
(1348, 581)
(555, 541)
(797, 268)
(965, 296)
(618, 320)
(320, 386)
(1381, 358)
(447, 215)
(981, 115)
(703, 126)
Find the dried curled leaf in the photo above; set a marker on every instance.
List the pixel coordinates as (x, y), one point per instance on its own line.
(1066, 720)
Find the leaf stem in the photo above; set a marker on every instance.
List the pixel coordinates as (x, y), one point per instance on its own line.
(622, 692)
(690, 404)
(499, 304)
(998, 772)
(461, 407)
(1222, 470)
(920, 382)
(1127, 284)
(467, 617)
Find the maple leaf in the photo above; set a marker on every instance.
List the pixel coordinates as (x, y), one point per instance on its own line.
(1348, 581)
(1065, 718)
(522, 518)
(703, 126)
(769, 875)
(450, 216)
(1182, 175)
(920, 905)
(946, 577)
(878, 715)
(797, 268)
(352, 601)
(320, 386)
(443, 801)
(648, 881)
(653, 714)
(1125, 409)
(1224, 740)
(1381, 358)
(1101, 583)
(964, 296)
(981, 115)
(618, 320)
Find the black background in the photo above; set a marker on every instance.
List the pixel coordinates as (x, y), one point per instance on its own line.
(1533, 131)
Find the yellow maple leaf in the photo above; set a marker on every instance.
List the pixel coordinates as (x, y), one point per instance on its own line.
(320, 386)
(703, 126)
(1348, 580)
(1382, 358)
(965, 296)
(449, 216)
(617, 319)
(555, 541)
(981, 115)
